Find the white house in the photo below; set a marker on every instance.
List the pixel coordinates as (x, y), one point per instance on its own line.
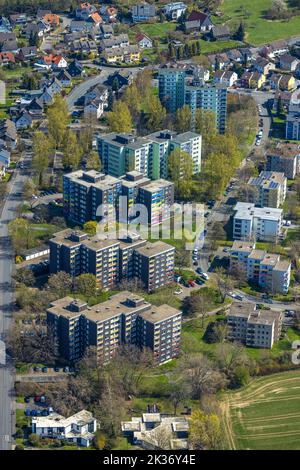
(226, 78)
(23, 121)
(144, 41)
(94, 109)
(4, 157)
(174, 10)
(79, 428)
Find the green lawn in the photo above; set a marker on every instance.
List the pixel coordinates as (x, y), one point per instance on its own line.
(154, 30)
(258, 29)
(265, 415)
(208, 47)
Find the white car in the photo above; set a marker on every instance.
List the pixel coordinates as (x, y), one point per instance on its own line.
(178, 292)
(205, 276)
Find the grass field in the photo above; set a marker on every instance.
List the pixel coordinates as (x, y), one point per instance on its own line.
(258, 29)
(265, 415)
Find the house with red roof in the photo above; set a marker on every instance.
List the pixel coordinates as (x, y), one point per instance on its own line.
(7, 58)
(52, 19)
(198, 21)
(55, 61)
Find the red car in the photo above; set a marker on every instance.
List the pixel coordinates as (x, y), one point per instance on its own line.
(191, 283)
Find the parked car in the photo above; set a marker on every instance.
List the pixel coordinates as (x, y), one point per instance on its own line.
(205, 276)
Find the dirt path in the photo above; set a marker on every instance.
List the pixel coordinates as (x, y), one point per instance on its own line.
(225, 406)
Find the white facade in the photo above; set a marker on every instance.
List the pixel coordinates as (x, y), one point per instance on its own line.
(174, 10)
(79, 428)
(258, 223)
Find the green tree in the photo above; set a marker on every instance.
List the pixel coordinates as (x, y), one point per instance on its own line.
(60, 284)
(20, 231)
(86, 284)
(180, 170)
(41, 154)
(205, 430)
(240, 32)
(156, 113)
(93, 161)
(58, 117)
(90, 227)
(72, 151)
(132, 98)
(183, 119)
(119, 119)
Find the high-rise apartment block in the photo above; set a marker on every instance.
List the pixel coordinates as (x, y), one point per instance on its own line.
(94, 196)
(110, 260)
(292, 127)
(252, 327)
(271, 188)
(123, 153)
(175, 92)
(123, 319)
(266, 270)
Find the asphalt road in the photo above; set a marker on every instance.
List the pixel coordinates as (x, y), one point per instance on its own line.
(7, 416)
(81, 89)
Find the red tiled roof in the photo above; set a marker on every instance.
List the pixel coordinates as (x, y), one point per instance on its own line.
(197, 16)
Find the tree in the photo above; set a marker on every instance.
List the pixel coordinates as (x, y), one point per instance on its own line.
(24, 276)
(71, 151)
(29, 189)
(183, 119)
(240, 33)
(99, 440)
(205, 430)
(119, 119)
(93, 161)
(180, 166)
(34, 440)
(41, 154)
(20, 232)
(132, 98)
(197, 305)
(224, 283)
(58, 116)
(86, 284)
(90, 227)
(205, 125)
(156, 113)
(60, 283)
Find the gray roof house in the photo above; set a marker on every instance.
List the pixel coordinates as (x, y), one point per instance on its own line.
(143, 12)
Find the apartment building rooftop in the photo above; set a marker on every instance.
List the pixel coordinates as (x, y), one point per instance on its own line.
(241, 309)
(153, 249)
(156, 185)
(242, 246)
(158, 314)
(134, 178)
(270, 259)
(71, 237)
(93, 178)
(123, 302)
(246, 210)
(284, 150)
(268, 179)
(282, 265)
(257, 254)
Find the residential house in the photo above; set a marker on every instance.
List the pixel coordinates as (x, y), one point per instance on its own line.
(143, 12)
(109, 13)
(27, 53)
(263, 65)
(143, 41)
(121, 40)
(236, 56)
(64, 78)
(254, 80)
(23, 121)
(8, 42)
(174, 10)
(128, 54)
(123, 77)
(52, 19)
(199, 21)
(282, 82)
(54, 61)
(5, 26)
(7, 58)
(8, 133)
(82, 26)
(18, 19)
(75, 68)
(95, 102)
(35, 108)
(39, 28)
(288, 62)
(220, 33)
(284, 96)
(219, 61)
(284, 157)
(271, 188)
(4, 157)
(106, 31)
(274, 49)
(144, 431)
(78, 429)
(226, 78)
(84, 11)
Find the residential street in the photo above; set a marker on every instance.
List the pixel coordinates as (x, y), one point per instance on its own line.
(7, 418)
